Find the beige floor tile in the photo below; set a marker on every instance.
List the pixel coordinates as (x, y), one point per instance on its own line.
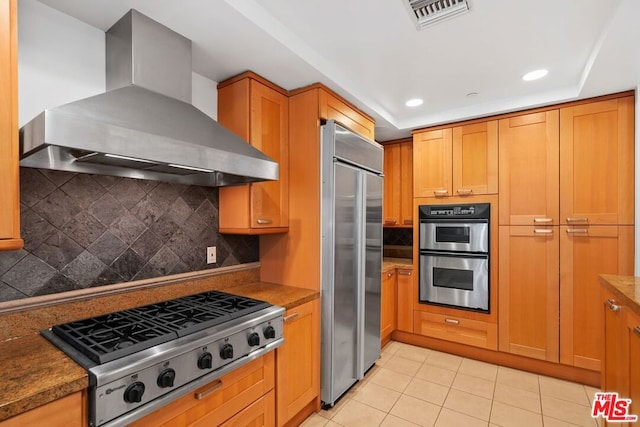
(402, 365)
(510, 416)
(376, 396)
(475, 368)
(564, 390)
(473, 385)
(468, 404)
(393, 421)
(331, 412)
(517, 397)
(449, 418)
(332, 424)
(552, 422)
(591, 393)
(518, 379)
(436, 375)
(416, 411)
(390, 379)
(444, 360)
(411, 352)
(392, 347)
(567, 411)
(428, 391)
(314, 420)
(356, 414)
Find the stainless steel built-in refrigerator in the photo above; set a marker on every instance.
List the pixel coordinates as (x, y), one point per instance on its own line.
(351, 258)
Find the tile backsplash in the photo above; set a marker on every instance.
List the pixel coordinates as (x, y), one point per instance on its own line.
(397, 236)
(84, 230)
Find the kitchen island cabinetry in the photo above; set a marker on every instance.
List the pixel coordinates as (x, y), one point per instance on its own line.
(297, 364)
(398, 184)
(388, 309)
(64, 412)
(257, 111)
(231, 398)
(9, 171)
(458, 161)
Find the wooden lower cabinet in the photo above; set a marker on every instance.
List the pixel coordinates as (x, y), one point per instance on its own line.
(388, 298)
(68, 411)
(407, 294)
(261, 413)
(615, 351)
(633, 356)
(459, 329)
(529, 291)
(586, 252)
(222, 400)
(298, 362)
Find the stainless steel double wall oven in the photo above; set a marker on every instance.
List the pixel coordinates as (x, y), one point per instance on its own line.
(454, 255)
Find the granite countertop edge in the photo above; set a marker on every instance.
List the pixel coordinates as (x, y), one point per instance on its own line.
(392, 263)
(34, 362)
(625, 288)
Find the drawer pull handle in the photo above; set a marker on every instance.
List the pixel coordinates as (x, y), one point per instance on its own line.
(290, 317)
(577, 219)
(390, 221)
(440, 193)
(542, 220)
(577, 231)
(408, 222)
(217, 386)
(637, 330)
(612, 305)
(542, 231)
(452, 321)
(390, 274)
(465, 191)
(404, 272)
(263, 221)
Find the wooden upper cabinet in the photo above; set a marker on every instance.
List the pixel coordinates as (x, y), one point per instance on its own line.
(9, 170)
(333, 108)
(597, 158)
(529, 291)
(258, 112)
(529, 169)
(398, 185)
(459, 161)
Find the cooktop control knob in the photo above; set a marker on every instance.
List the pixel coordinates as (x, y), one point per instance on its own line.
(226, 352)
(205, 361)
(166, 377)
(133, 393)
(254, 339)
(269, 332)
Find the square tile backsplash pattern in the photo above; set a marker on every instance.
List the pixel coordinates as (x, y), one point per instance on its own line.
(397, 236)
(84, 230)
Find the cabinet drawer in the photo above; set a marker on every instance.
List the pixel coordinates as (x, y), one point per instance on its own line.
(457, 329)
(261, 413)
(219, 400)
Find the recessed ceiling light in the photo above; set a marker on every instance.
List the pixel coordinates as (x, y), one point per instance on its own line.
(415, 102)
(535, 75)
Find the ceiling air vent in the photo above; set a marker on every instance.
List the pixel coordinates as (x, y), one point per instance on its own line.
(428, 12)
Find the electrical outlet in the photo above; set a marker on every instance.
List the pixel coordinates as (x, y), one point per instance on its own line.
(211, 255)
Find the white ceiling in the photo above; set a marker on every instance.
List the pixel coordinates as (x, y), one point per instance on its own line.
(370, 52)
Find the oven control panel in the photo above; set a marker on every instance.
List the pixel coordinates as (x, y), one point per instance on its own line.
(459, 211)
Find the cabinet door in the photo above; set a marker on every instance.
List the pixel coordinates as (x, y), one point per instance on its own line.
(9, 173)
(633, 331)
(406, 298)
(596, 154)
(529, 291)
(297, 361)
(388, 297)
(392, 186)
(406, 183)
(586, 252)
(475, 159)
(432, 163)
(529, 169)
(67, 411)
(269, 134)
(615, 348)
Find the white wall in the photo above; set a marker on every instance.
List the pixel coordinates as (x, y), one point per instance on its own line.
(62, 59)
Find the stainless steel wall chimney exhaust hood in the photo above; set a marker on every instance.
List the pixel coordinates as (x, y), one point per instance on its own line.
(144, 126)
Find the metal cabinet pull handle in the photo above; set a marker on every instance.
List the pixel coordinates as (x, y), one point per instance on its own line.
(543, 220)
(465, 191)
(408, 222)
(542, 231)
(612, 305)
(452, 321)
(389, 274)
(404, 272)
(390, 221)
(637, 330)
(217, 386)
(439, 193)
(264, 221)
(577, 219)
(290, 317)
(577, 231)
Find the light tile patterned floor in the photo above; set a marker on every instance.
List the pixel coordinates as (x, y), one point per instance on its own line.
(413, 386)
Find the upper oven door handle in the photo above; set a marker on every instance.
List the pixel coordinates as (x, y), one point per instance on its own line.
(483, 255)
